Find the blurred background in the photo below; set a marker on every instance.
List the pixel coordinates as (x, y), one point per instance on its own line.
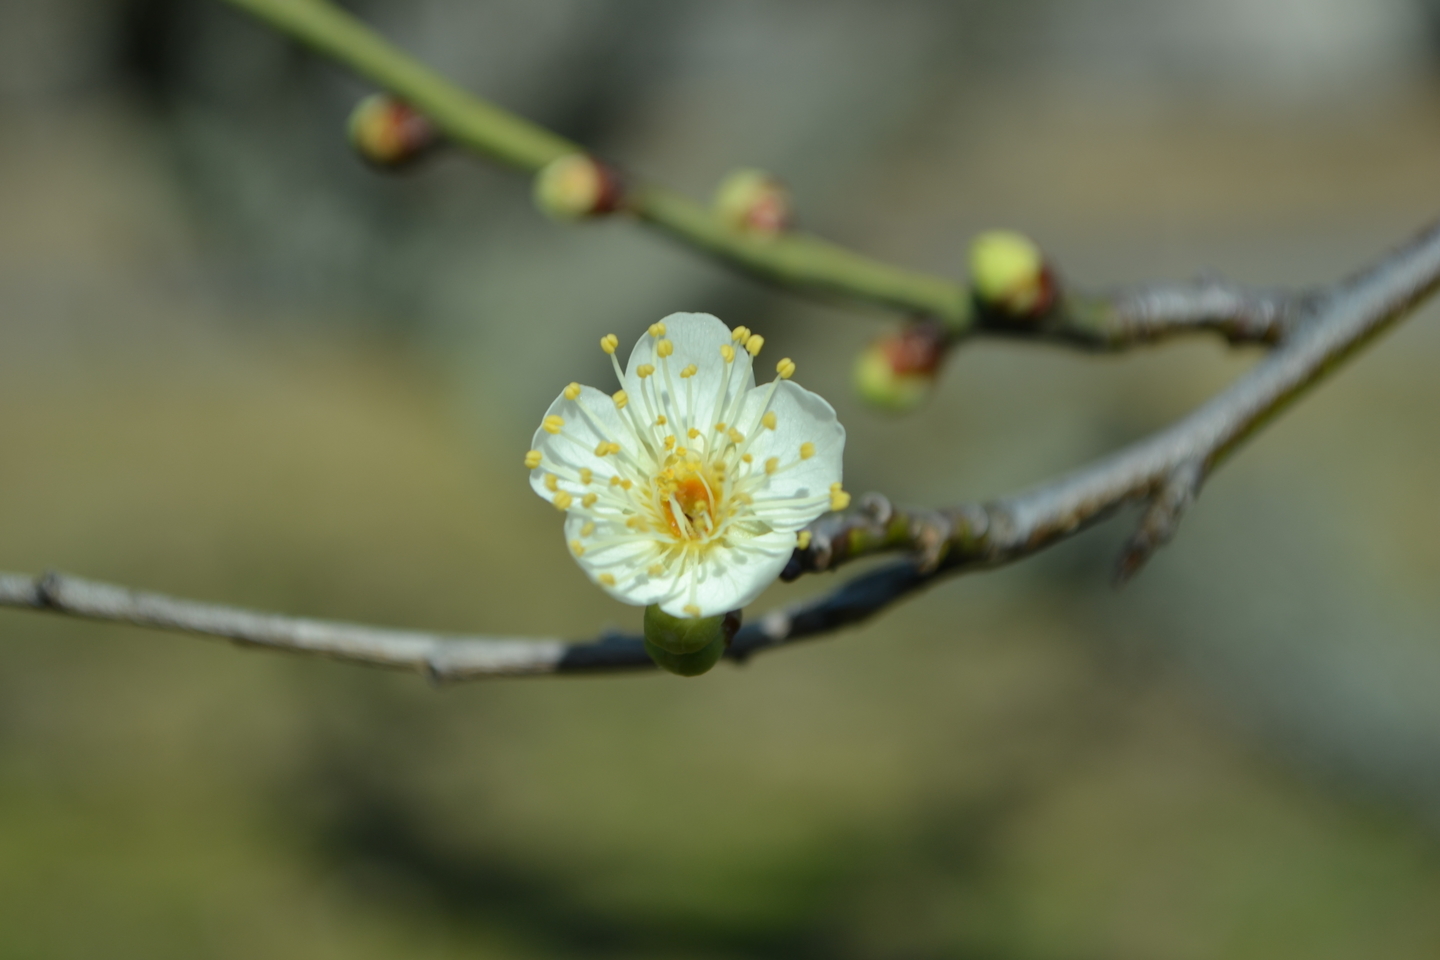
(237, 365)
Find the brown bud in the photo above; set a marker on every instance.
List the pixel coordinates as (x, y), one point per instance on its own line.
(390, 133)
(753, 202)
(897, 371)
(577, 186)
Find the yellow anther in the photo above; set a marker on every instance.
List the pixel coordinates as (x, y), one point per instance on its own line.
(670, 442)
(739, 334)
(614, 448)
(562, 500)
(655, 570)
(644, 370)
(552, 424)
(657, 329)
(691, 609)
(772, 465)
(736, 437)
(786, 368)
(748, 458)
(589, 528)
(572, 392)
(802, 540)
(586, 475)
(807, 450)
(769, 420)
(681, 451)
(753, 345)
(744, 498)
(621, 398)
(693, 434)
(720, 427)
(661, 420)
(607, 578)
(552, 482)
(665, 348)
(532, 459)
(609, 343)
(602, 448)
(689, 372)
(728, 352)
(614, 481)
(588, 501)
(839, 499)
(626, 484)
(577, 548)
(635, 523)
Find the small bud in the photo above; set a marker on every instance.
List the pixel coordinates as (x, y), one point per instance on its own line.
(1009, 274)
(688, 646)
(753, 202)
(897, 371)
(577, 186)
(389, 133)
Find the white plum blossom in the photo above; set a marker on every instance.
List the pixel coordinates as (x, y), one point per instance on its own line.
(689, 487)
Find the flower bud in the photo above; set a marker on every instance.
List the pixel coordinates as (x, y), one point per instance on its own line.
(897, 371)
(752, 201)
(1009, 274)
(688, 646)
(577, 186)
(389, 133)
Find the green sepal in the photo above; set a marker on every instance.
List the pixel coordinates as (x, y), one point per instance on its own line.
(688, 646)
(688, 664)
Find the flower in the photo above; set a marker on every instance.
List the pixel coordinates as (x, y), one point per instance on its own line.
(687, 488)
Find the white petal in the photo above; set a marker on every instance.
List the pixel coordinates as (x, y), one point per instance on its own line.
(732, 577)
(698, 338)
(589, 419)
(799, 491)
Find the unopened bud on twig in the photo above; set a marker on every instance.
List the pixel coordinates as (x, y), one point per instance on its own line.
(688, 646)
(577, 186)
(897, 371)
(752, 201)
(389, 133)
(1009, 275)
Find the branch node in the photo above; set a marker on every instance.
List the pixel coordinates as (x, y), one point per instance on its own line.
(931, 534)
(878, 506)
(1168, 503)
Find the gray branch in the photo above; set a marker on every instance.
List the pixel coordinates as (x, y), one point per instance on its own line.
(1321, 330)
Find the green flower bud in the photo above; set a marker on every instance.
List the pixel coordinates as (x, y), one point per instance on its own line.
(389, 133)
(576, 186)
(688, 646)
(1008, 273)
(897, 371)
(753, 202)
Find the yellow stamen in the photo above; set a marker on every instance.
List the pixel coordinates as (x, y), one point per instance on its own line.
(665, 348)
(786, 368)
(691, 609)
(656, 570)
(635, 523)
(562, 500)
(748, 458)
(772, 465)
(552, 424)
(736, 437)
(552, 482)
(681, 451)
(693, 434)
(739, 334)
(588, 501)
(577, 548)
(769, 420)
(802, 540)
(670, 442)
(532, 459)
(644, 370)
(589, 528)
(728, 352)
(607, 578)
(586, 475)
(609, 343)
(807, 450)
(626, 484)
(753, 345)
(621, 398)
(657, 330)
(839, 499)
(689, 372)
(615, 481)
(661, 420)
(572, 392)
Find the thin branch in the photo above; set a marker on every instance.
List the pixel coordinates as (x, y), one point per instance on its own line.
(791, 260)
(1165, 469)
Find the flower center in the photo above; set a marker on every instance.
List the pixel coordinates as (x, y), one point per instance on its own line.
(687, 499)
